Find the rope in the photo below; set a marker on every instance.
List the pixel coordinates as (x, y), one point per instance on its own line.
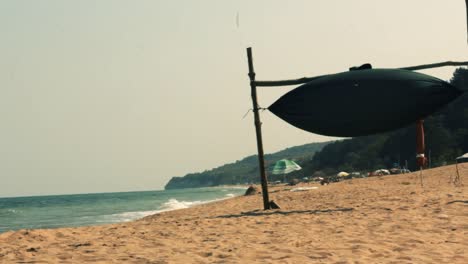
(259, 108)
(247, 113)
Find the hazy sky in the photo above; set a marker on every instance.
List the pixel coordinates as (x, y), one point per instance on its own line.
(99, 96)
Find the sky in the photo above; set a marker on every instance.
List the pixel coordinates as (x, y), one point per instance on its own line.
(111, 95)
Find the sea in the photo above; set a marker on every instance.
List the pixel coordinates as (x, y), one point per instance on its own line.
(101, 208)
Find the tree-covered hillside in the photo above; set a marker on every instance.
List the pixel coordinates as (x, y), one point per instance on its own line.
(245, 170)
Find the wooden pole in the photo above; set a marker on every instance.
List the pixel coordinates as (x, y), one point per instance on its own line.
(308, 79)
(421, 175)
(466, 6)
(435, 65)
(258, 130)
(420, 148)
(457, 180)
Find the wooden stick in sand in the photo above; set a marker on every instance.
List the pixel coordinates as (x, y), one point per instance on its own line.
(258, 131)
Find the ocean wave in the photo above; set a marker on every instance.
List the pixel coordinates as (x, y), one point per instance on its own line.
(174, 204)
(124, 217)
(170, 205)
(9, 212)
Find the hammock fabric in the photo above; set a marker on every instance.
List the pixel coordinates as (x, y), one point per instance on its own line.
(363, 102)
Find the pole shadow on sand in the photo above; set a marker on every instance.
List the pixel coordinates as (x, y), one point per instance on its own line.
(264, 213)
(458, 201)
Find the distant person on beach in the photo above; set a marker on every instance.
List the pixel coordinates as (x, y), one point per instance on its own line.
(324, 181)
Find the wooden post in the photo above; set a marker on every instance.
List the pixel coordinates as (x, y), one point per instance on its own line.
(258, 130)
(411, 68)
(420, 148)
(457, 179)
(466, 6)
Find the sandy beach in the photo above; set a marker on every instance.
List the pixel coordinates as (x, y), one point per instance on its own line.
(388, 219)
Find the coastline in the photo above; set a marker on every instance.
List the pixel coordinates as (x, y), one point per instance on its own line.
(379, 219)
(43, 212)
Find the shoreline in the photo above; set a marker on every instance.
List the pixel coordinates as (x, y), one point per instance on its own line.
(96, 213)
(378, 219)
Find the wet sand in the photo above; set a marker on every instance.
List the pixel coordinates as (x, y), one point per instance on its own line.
(388, 219)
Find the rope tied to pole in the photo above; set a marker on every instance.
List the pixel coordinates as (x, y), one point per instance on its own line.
(251, 109)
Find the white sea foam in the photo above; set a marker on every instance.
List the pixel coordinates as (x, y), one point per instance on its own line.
(125, 217)
(174, 204)
(170, 205)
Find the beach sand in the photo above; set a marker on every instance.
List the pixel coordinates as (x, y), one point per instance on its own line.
(389, 219)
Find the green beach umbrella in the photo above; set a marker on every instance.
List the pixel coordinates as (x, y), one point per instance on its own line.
(285, 166)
